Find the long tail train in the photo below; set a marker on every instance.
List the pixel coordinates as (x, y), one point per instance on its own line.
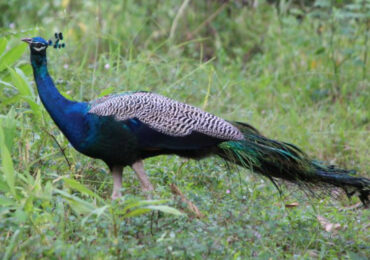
(278, 160)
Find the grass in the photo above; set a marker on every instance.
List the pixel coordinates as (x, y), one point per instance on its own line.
(296, 81)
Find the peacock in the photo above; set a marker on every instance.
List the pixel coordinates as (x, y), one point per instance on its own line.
(124, 129)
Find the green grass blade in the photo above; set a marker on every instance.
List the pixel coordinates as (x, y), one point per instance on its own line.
(7, 163)
(13, 243)
(8, 123)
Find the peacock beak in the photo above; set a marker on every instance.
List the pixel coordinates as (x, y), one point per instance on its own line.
(27, 40)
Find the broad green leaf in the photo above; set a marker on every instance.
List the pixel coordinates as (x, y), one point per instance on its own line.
(4, 201)
(25, 80)
(165, 209)
(36, 108)
(14, 54)
(97, 212)
(26, 68)
(6, 84)
(3, 43)
(11, 100)
(135, 204)
(320, 50)
(142, 207)
(106, 92)
(137, 212)
(75, 185)
(25, 91)
(78, 205)
(21, 83)
(28, 204)
(3, 185)
(7, 164)
(9, 124)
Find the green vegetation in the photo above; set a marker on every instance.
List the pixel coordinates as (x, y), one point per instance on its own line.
(297, 73)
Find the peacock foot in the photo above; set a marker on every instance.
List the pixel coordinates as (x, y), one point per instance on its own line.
(116, 195)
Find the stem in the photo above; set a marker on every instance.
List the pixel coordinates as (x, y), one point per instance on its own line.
(209, 19)
(177, 18)
(367, 31)
(60, 148)
(332, 53)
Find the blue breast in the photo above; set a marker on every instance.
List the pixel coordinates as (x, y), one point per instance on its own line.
(107, 139)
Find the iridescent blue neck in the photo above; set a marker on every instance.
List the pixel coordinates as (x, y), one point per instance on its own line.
(53, 101)
(68, 115)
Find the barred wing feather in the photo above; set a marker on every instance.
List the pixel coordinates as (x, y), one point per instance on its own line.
(164, 115)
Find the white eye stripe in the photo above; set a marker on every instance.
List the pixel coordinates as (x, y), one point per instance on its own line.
(39, 49)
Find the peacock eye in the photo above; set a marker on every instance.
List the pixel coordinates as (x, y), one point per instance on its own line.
(39, 45)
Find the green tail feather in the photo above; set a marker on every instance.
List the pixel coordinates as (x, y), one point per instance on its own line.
(278, 160)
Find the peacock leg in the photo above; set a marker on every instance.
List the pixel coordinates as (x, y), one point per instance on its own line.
(117, 181)
(146, 186)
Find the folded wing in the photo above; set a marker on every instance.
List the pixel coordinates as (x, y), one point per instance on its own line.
(165, 115)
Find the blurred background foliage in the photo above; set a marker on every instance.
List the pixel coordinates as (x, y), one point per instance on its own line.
(297, 70)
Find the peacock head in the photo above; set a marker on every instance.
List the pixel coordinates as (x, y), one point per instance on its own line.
(38, 45)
